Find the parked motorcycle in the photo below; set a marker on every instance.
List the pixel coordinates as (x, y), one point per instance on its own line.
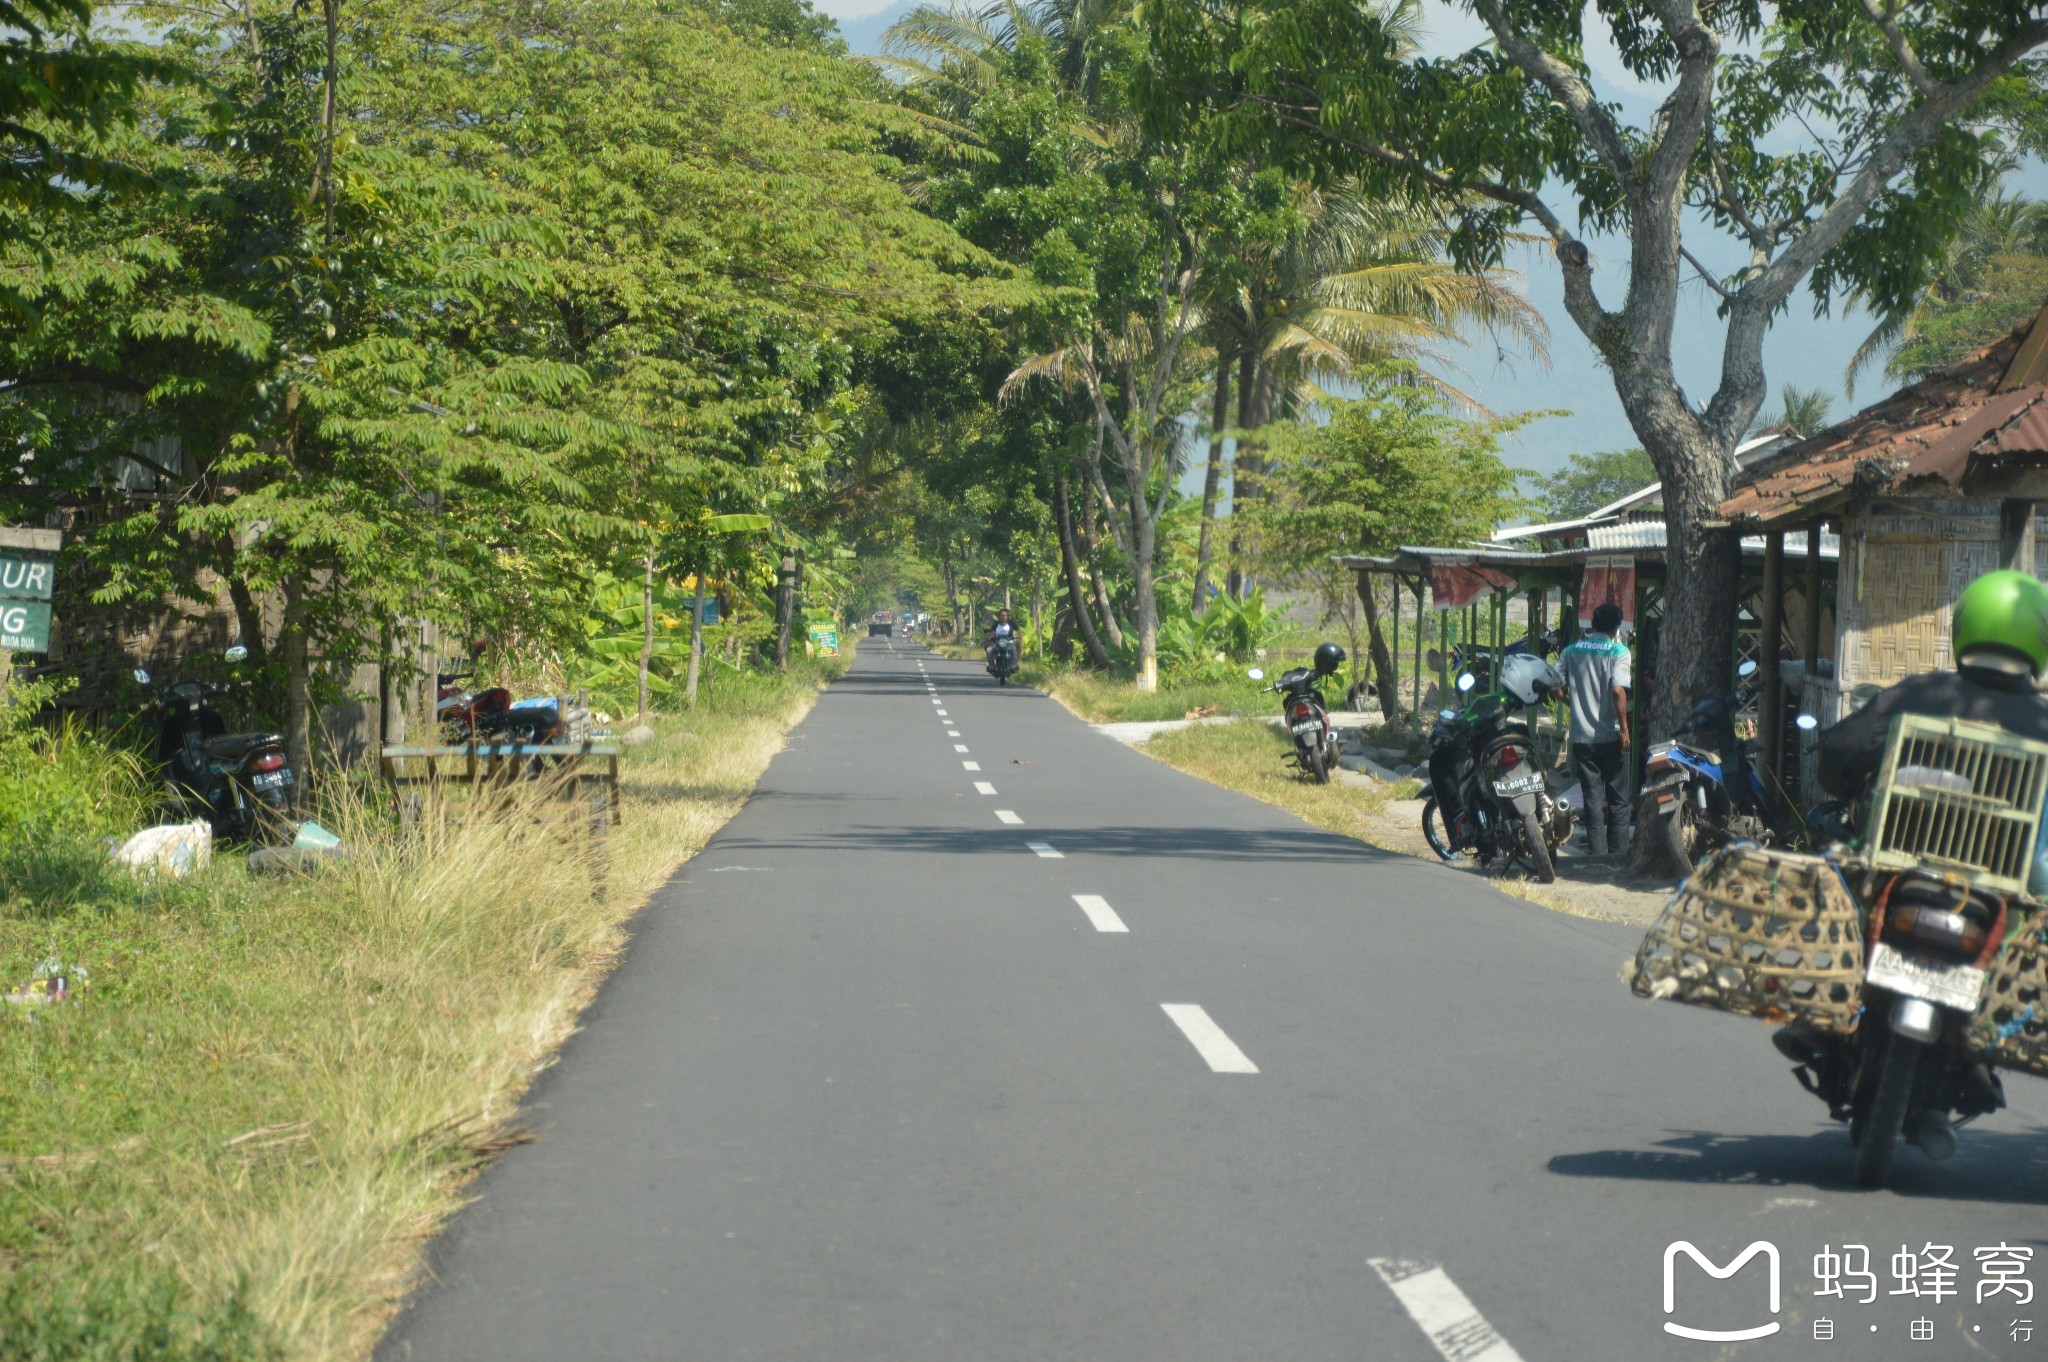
(1708, 792)
(240, 782)
(491, 715)
(1002, 659)
(1483, 663)
(1307, 713)
(1483, 763)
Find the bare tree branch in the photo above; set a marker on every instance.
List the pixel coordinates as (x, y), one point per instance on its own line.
(1595, 124)
(1886, 17)
(1727, 294)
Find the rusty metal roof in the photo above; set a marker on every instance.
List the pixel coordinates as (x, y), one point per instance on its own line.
(1989, 408)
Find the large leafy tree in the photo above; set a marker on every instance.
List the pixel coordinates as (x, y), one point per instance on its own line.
(1836, 144)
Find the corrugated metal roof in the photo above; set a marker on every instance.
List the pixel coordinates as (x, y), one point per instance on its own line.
(1629, 534)
(1939, 430)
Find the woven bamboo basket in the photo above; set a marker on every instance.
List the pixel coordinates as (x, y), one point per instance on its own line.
(1761, 933)
(2011, 1025)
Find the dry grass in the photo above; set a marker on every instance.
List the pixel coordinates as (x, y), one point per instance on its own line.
(1251, 758)
(274, 1093)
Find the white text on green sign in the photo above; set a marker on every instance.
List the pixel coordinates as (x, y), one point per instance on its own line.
(26, 579)
(24, 626)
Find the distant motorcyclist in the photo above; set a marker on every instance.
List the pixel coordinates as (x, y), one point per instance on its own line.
(1003, 629)
(1999, 637)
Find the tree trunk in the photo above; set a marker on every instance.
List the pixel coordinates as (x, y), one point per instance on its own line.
(785, 605)
(1148, 605)
(1085, 531)
(1702, 563)
(1037, 609)
(1383, 675)
(1212, 482)
(298, 697)
(646, 629)
(1077, 599)
(1245, 467)
(696, 639)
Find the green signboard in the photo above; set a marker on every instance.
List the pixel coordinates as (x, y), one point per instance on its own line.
(24, 626)
(827, 639)
(26, 579)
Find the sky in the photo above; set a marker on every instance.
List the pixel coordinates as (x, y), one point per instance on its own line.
(1802, 350)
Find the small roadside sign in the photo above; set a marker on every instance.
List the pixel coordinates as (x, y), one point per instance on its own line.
(827, 640)
(24, 626)
(26, 579)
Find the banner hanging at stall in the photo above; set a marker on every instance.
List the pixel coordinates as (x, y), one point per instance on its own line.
(1608, 579)
(1452, 586)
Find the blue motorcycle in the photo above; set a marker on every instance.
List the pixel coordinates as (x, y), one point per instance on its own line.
(1705, 793)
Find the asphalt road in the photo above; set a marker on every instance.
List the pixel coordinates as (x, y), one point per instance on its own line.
(874, 1084)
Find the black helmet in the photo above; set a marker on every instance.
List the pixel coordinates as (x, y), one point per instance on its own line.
(1329, 657)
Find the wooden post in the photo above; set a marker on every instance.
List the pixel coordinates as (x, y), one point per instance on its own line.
(1770, 648)
(1810, 649)
(1418, 644)
(2015, 540)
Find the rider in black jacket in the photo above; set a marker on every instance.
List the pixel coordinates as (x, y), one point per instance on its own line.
(2000, 638)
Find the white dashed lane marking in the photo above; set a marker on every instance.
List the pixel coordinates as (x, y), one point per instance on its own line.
(1433, 1300)
(1100, 913)
(970, 766)
(959, 747)
(1044, 849)
(1218, 1050)
(952, 732)
(983, 787)
(1009, 816)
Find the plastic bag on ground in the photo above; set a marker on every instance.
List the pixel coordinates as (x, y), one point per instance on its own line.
(313, 837)
(174, 849)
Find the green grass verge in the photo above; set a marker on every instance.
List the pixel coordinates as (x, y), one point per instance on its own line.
(1102, 698)
(234, 1140)
(1251, 758)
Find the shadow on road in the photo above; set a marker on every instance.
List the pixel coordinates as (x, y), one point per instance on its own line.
(1199, 842)
(1992, 1165)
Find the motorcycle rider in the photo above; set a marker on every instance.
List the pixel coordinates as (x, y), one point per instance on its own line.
(1999, 637)
(1004, 629)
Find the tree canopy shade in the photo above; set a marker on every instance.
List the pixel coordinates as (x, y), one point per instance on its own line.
(1836, 144)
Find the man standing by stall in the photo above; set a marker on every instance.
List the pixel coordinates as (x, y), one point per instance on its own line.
(1597, 678)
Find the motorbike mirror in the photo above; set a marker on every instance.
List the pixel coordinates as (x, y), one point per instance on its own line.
(1747, 669)
(141, 676)
(1467, 681)
(1447, 714)
(1807, 723)
(1435, 658)
(236, 653)
(1257, 673)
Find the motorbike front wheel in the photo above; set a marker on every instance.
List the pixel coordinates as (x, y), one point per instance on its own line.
(1535, 850)
(1434, 833)
(1897, 1073)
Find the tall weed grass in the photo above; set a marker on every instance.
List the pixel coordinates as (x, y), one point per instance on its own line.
(238, 1135)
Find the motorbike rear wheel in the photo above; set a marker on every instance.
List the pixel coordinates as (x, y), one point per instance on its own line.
(1674, 831)
(1898, 1070)
(1535, 850)
(1319, 764)
(1434, 833)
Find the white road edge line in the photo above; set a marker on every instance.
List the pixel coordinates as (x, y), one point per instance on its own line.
(1219, 1050)
(1446, 1314)
(1009, 816)
(970, 766)
(983, 787)
(1045, 850)
(1100, 913)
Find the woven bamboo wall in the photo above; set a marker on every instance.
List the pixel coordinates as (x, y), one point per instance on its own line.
(1900, 575)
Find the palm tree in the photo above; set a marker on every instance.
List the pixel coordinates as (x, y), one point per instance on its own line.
(1357, 281)
(1803, 409)
(1998, 228)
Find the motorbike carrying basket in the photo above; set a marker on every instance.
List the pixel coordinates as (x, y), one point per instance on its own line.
(2010, 1028)
(1761, 933)
(1958, 797)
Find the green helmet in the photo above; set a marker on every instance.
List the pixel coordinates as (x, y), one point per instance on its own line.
(2007, 611)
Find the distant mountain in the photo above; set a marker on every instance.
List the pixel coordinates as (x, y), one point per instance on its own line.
(864, 36)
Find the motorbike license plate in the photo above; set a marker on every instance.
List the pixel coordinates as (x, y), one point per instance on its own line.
(1527, 782)
(1308, 726)
(271, 780)
(1935, 981)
